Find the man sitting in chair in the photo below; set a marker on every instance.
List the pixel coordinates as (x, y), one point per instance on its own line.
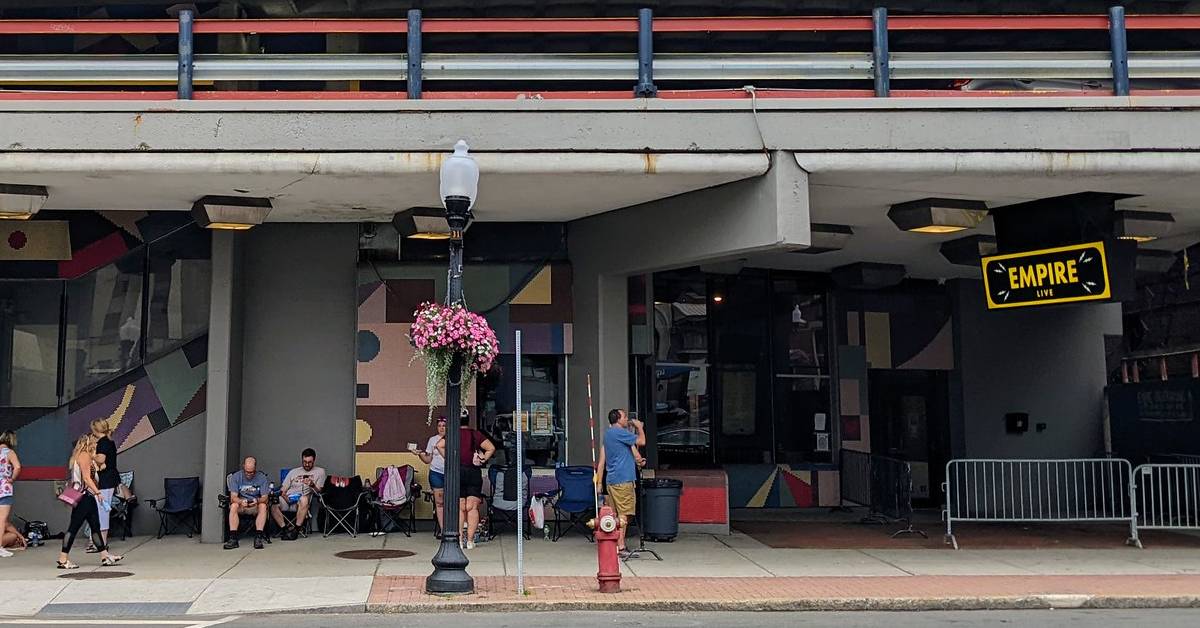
(297, 491)
(248, 492)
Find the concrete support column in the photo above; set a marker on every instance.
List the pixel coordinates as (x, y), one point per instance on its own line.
(222, 432)
(765, 213)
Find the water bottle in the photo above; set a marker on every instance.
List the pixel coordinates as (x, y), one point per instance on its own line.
(271, 488)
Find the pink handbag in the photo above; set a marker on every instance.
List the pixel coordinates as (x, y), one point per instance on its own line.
(71, 495)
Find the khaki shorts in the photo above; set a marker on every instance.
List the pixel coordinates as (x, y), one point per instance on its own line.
(622, 498)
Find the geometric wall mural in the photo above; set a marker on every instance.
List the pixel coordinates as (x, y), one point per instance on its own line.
(139, 405)
(390, 406)
(771, 486)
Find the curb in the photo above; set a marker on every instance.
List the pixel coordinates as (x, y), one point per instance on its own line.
(996, 603)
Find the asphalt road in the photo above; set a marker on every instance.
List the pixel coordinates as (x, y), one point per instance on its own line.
(1043, 619)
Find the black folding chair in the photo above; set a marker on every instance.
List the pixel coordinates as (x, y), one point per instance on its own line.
(502, 503)
(392, 514)
(180, 506)
(341, 505)
(122, 509)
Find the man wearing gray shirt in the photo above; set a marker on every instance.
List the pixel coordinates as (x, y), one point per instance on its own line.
(296, 492)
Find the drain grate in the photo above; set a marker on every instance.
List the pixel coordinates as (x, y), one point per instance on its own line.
(374, 554)
(95, 575)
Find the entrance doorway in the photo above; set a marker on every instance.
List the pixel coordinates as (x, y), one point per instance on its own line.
(910, 421)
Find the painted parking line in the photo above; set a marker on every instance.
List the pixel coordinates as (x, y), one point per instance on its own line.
(189, 623)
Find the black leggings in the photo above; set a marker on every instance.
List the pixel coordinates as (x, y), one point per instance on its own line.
(87, 510)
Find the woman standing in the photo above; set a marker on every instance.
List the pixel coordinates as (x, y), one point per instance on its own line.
(432, 456)
(10, 468)
(110, 477)
(83, 469)
(474, 450)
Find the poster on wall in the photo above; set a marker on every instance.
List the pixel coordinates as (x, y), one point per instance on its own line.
(543, 417)
(738, 398)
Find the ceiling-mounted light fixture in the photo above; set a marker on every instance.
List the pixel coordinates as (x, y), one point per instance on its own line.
(231, 213)
(797, 315)
(967, 251)
(21, 202)
(827, 237)
(422, 223)
(938, 215)
(1142, 226)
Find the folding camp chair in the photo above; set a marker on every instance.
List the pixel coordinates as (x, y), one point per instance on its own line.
(392, 514)
(341, 503)
(245, 521)
(180, 505)
(574, 500)
(289, 510)
(122, 509)
(502, 503)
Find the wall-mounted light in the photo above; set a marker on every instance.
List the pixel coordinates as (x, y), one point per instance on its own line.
(422, 223)
(827, 237)
(938, 215)
(1142, 226)
(717, 298)
(967, 251)
(21, 202)
(797, 315)
(230, 213)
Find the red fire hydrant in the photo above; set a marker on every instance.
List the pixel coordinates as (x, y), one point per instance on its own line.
(605, 527)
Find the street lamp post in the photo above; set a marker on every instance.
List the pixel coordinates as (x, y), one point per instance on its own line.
(459, 186)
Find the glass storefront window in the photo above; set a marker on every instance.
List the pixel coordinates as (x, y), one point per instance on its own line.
(180, 283)
(681, 396)
(543, 402)
(29, 333)
(104, 323)
(804, 429)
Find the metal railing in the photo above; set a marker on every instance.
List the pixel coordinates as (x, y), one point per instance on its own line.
(1168, 496)
(1029, 491)
(882, 484)
(640, 67)
(854, 476)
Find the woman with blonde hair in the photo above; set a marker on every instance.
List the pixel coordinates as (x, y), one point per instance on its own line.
(83, 468)
(10, 468)
(109, 477)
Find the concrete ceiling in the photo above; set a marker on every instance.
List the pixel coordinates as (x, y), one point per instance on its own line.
(861, 199)
(371, 187)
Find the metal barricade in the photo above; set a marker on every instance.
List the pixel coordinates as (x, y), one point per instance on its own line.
(891, 492)
(1090, 490)
(1168, 496)
(854, 476)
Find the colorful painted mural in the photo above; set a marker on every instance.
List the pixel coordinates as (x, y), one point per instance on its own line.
(140, 404)
(391, 411)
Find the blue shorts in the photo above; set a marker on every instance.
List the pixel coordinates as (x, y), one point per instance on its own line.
(437, 480)
(293, 499)
(6, 501)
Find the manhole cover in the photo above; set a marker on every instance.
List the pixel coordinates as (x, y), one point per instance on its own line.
(374, 554)
(96, 575)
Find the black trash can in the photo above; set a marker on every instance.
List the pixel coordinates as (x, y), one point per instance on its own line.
(660, 509)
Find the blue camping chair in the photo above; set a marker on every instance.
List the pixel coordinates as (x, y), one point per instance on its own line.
(502, 503)
(575, 500)
(180, 506)
(289, 510)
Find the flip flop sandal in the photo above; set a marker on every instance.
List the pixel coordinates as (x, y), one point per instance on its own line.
(92, 550)
(67, 565)
(111, 561)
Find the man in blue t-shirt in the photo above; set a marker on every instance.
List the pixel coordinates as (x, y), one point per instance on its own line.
(248, 492)
(620, 458)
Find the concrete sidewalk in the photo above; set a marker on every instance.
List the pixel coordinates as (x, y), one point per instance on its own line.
(177, 575)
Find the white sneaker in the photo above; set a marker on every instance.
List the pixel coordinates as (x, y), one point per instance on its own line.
(470, 545)
(5, 553)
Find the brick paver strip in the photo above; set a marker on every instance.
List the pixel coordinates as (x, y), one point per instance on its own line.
(407, 593)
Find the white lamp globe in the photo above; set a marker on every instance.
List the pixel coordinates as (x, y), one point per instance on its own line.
(460, 175)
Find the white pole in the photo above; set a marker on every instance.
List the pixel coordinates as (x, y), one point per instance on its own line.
(521, 508)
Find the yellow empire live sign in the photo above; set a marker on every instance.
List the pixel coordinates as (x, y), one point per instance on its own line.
(1065, 274)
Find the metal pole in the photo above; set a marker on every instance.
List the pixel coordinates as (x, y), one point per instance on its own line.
(414, 54)
(520, 477)
(592, 429)
(879, 52)
(1120, 50)
(186, 56)
(450, 563)
(645, 86)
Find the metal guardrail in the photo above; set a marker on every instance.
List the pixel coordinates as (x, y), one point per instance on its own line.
(854, 476)
(1168, 496)
(882, 484)
(1031, 491)
(414, 67)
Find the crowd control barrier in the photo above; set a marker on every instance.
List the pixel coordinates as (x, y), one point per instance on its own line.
(1086, 490)
(882, 484)
(1168, 496)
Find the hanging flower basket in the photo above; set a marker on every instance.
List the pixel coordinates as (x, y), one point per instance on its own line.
(439, 332)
